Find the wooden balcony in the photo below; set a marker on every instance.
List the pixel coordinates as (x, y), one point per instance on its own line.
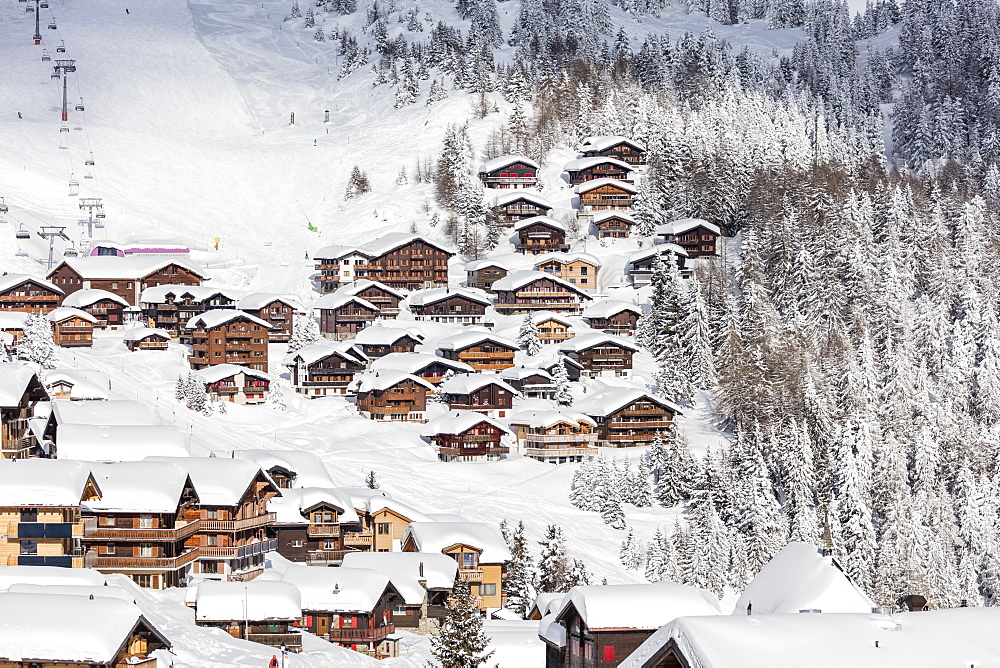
(147, 563)
(548, 453)
(239, 551)
(104, 533)
(583, 439)
(238, 525)
(361, 635)
(358, 539)
(277, 639)
(321, 530)
(473, 452)
(327, 557)
(470, 574)
(644, 425)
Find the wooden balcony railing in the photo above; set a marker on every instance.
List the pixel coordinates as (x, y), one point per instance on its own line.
(121, 533)
(363, 635)
(323, 530)
(545, 453)
(358, 539)
(238, 525)
(470, 574)
(147, 563)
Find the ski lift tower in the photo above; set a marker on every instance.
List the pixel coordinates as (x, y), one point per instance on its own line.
(90, 205)
(64, 66)
(52, 232)
(38, 35)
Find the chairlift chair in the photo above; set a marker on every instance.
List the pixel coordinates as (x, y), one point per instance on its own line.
(79, 105)
(63, 129)
(61, 48)
(45, 56)
(54, 76)
(52, 26)
(3, 206)
(70, 68)
(45, 5)
(22, 234)
(100, 215)
(74, 186)
(89, 161)
(71, 252)
(29, 9)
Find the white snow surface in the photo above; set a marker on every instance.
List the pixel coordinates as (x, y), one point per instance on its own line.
(137, 487)
(256, 600)
(14, 382)
(119, 442)
(219, 481)
(334, 589)
(114, 411)
(86, 297)
(42, 482)
(291, 506)
(404, 570)
(639, 606)
(436, 536)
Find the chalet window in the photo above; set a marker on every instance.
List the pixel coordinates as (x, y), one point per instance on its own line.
(319, 518)
(212, 514)
(329, 544)
(145, 550)
(487, 590)
(145, 521)
(212, 540)
(609, 653)
(295, 543)
(469, 560)
(29, 547)
(143, 580)
(29, 514)
(108, 521)
(399, 610)
(108, 549)
(383, 528)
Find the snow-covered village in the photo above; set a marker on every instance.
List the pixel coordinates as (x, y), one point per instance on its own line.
(499, 333)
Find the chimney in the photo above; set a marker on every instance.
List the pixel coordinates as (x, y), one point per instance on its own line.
(421, 569)
(915, 603)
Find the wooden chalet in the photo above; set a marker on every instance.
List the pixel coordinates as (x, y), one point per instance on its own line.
(261, 611)
(600, 354)
(279, 311)
(639, 268)
(382, 521)
(540, 234)
(342, 316)
(529, 291)
(40, 508)
(71, 327)
(482, 393)
(335, 266)
(392, 395)
(579, 269)
(20, 392)
(146, 338)
(233, 534)
(481, 274)
(311, 525)
(351, 607)
(227, 336)
(107, 308)
(169, 307)
(43, 629)
(235, 383)
(77, 385)
(624, 149)
(509, 208)
(555, 437)
(465, 436)
(377, 342)
(325, 369)
(146, 518)
(696, 236)
(23, 292)
(479, 549)
(449, 305)
(385, 298)
(613, 224)
(480, 350)
(628, 417)
(552, 327)
(602, 625)
(605, 195)
(599, 167)
(613, 316)
(11, 330)
(126, 277)
(431, 368)
(530, 382)
(405, 262)
(509, 171)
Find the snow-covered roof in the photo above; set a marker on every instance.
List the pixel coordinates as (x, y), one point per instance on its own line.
(54, 627)
(567, 258)
(362, 284)
(476, 265)
(406, 569)
(97, 591)
(950, 637)
(256, 600)
(220, 481)
(638, 606)
(115, 411)
(610, 307)
(383, 379)
(518, 279)
(799, 577)
(506, 161)
(538, 317)
(470, 382)
(259, 300)
(336, 252)
(336, 589)
(549, 418)
(469, 337)
(140, 333)
(658, 249)
(384, 336)
(587, 163)
(583, 342)
(8, 281)
(49, 575)
(416, 362)
(308, 468)
(587, 186)
(603, 142)
(374, 500)
(336, 300)
(527, 195)
(42, 482)
(12, 319)
(317, 351)
(600, 216)
(550, 630)
(519, 372)
(685, 224)
(65, 313)
(540, 220)
(84, 383)
(390, 242)
(87, 297)
(457, 422)
(548, 602)
(109, 267)
(222, 316)
(157, 294)
(435, 295)
(291, 506)
(137, 487)
(613, 398)
(437, 536)
(14, 380)
(217, 372)
(119, 443)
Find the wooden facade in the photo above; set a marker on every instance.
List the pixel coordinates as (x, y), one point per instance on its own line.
(481, 442)
(635, 424)
(328, 375)
(318, 540)
(614, 226)
(599, 355)
(491, 399)
(242, 339)
(556, 440)
(509, 210)
(150, 341)
(176, 307)
(603, 167)
(108, 313)
(404, 401)
(347, 318)
(485, 579)
(385, 298)
(411, 266)
(16, 441)
(280, 314)
(484, 355)
(619, 148)
(699, 239)
(29, 294)
(72, 330)
(455, 308)
(622, 323)
(127, 286)
(242, 386)
(605, 195)
(404, 343)
(483, 276)
(541, 237)
(553, 329)
(365, 631)
(517, 172)
(540, 294)
(595, 648)
(578, 271)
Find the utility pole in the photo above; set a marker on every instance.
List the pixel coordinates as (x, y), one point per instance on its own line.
(64, 66)
(38, 34)
(50, 232)
(91, 204)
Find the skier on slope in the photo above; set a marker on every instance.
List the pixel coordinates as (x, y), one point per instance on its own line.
(19, 115)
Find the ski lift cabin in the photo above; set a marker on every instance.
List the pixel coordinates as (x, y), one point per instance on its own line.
(79, 105)
(61, 48)
(45, 56)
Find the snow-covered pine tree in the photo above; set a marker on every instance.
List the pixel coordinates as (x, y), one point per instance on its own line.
(641, 492)
(578, 575)
(462, 642)
(180, 389)
(401, 178)
(564, 395)
(552, 563)
(195, 398)
(409, 86)
(319, 35)
(36, 344)
(630, 553)
(520, 580)
(581, 492)
(276, 397)
(527, 337)
(661, 559)
(305, 332)
(296, 12)
(612, 513)
(310, 21)
(436, 93)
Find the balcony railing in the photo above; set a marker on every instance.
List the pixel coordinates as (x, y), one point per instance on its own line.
(240, 551)
(238, 525)
(327, 556)
(364, 635)
(276, 639)
(546, 453)
(470, 574)
(362, 539)
(147, 563)
(121, 533)
(323, 530)
(559, 438)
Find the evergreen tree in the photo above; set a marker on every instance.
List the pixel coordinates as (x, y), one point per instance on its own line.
(527, 337)
(630, 553)
(520, 578)
(462, 642)
(310, 19)
(437, 92)
(276, 397)
(36, 344)
(305, 332)
(564, 396)
(552, 563)
(409, 86)
(371, 482)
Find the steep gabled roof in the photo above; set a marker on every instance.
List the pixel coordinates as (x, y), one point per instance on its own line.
(115, 411)
(684, 225)
(106, 267)
(383, 379)
(44, 482)
(607, 308)
(15, 379)
(457, 422)
(140, 333)
(138, 487)
(550, 418)
(293, 506)
(658, 249)
(637, 606)
(586, 163)
(317, 351)
(337, 300)
(438, 536)
(9, 281)
(567, 258)
(540, 220)
(220, 481)
(87, 297)
(336, 252)
(598, 183)
(516, 280)
(604, 142)
(390, 242)
(405, 570)
(613, 399)
(435, 295)
(335, 589)
(157, 294)
(506, 161)
(467, 338)
(384, 336)
(256, 600)
(362, 284)
(527, 195)
(65, 313)
(259, 300)
(217, 372)
(471, 382)
(601, 216)
(476, 265)
(417, 362)
(222, 316)
(583, 342)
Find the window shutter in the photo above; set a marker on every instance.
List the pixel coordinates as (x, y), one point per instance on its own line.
(609, 653)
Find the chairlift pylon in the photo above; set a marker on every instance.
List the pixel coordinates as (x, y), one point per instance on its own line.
(62, 47)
